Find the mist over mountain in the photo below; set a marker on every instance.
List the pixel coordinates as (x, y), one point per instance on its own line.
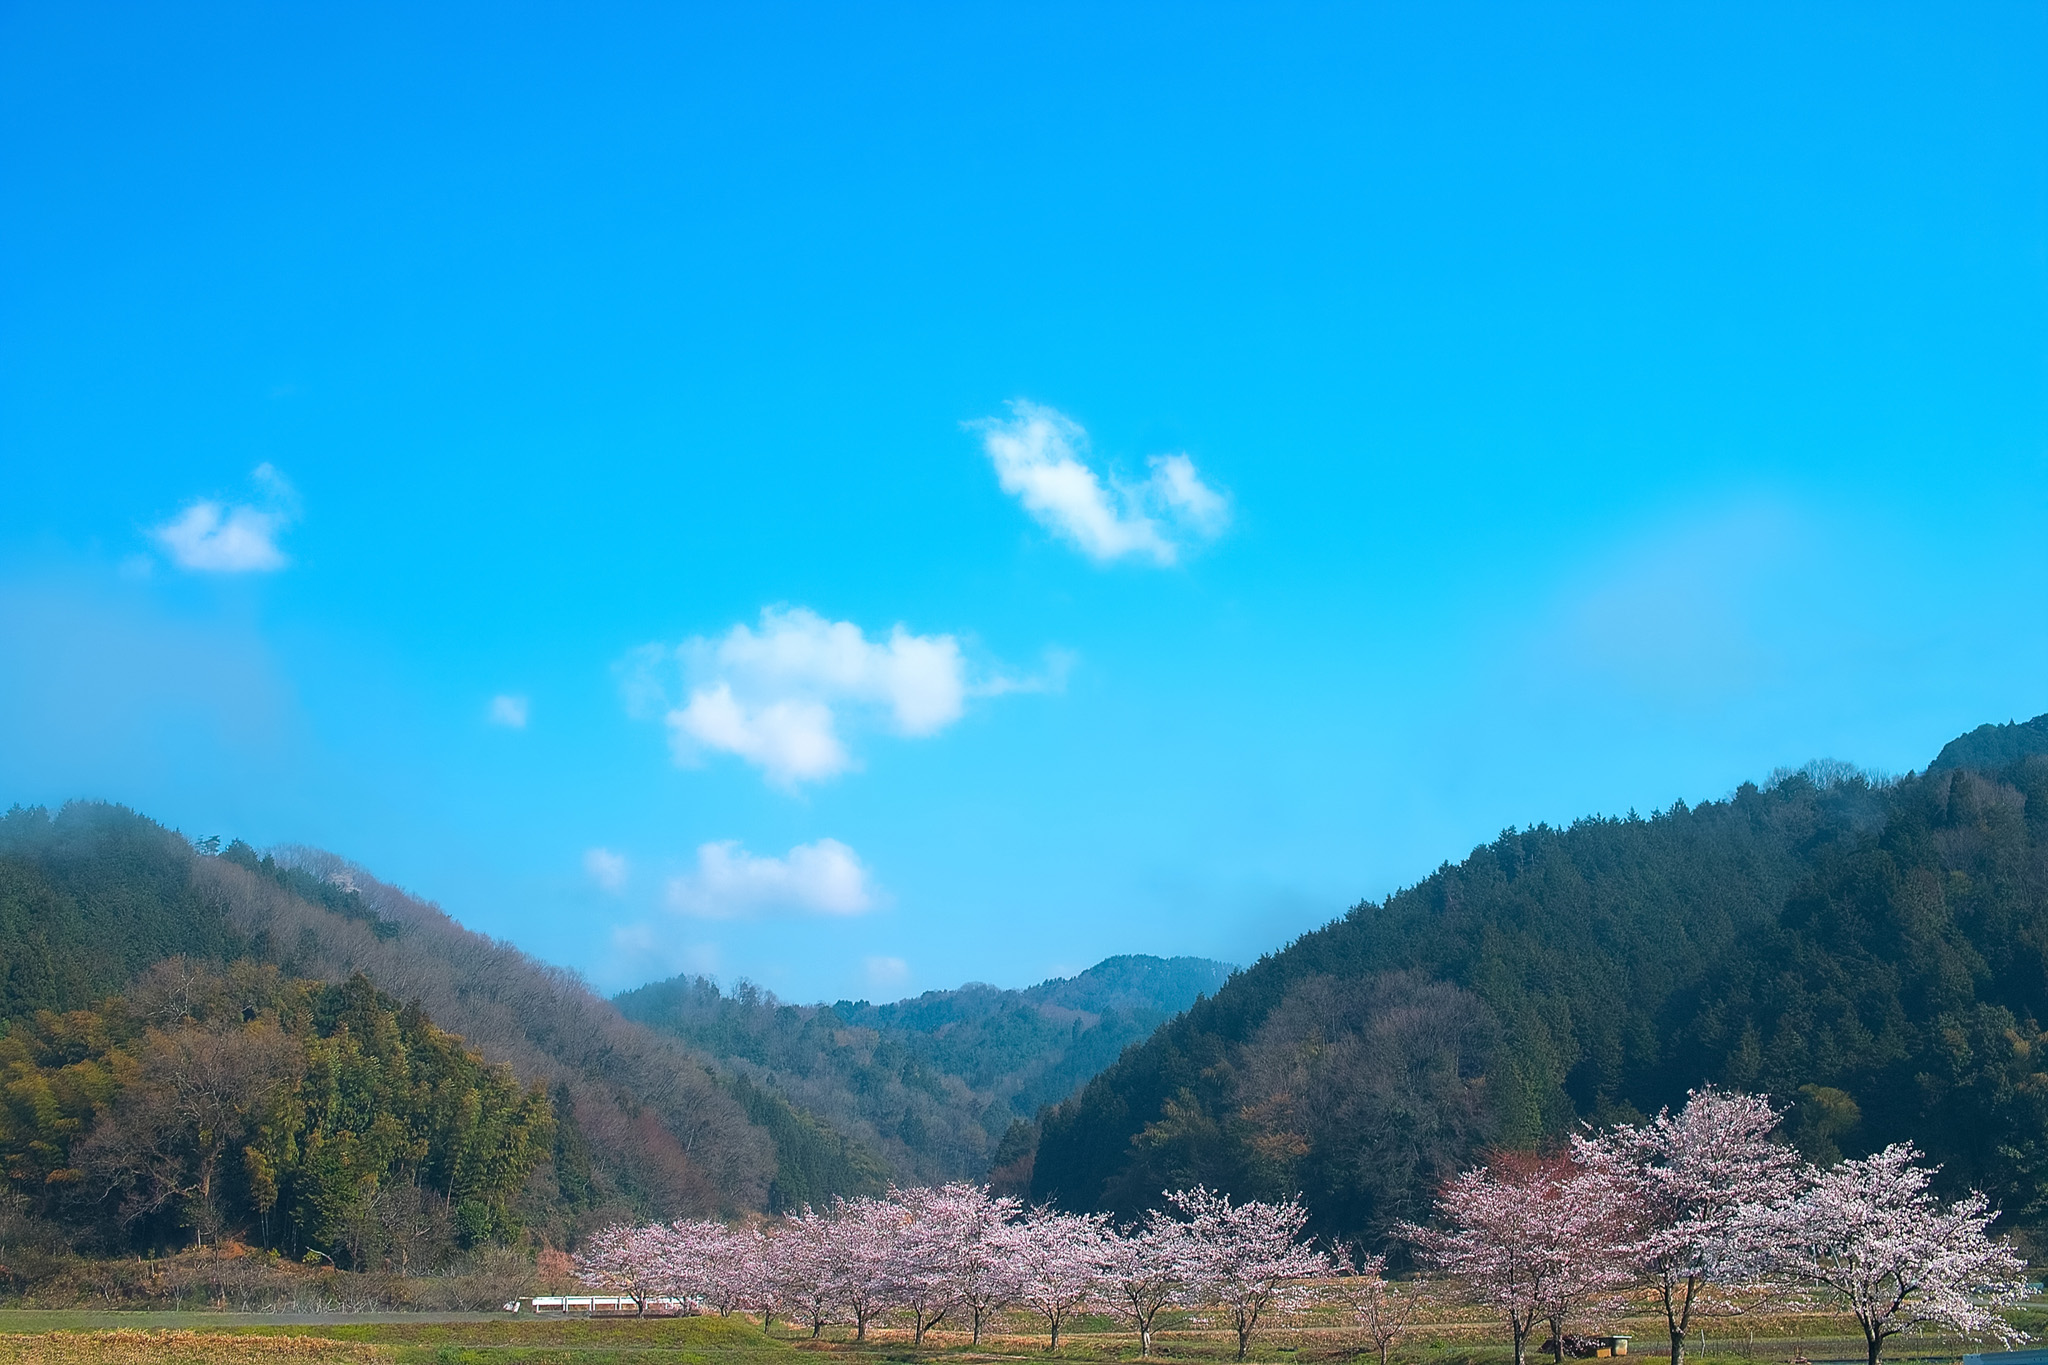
(1870, 952)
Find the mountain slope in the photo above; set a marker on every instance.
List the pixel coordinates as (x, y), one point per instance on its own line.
(1874, 955)
(934, 1084)
(95, 894)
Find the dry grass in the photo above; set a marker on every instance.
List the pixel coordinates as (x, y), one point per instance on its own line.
(125, 1347)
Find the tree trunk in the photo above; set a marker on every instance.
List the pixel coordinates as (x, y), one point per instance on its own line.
(1679, 1320)
(1055, 1333)
(1145, 1337)
(1557, 1339)
(1875, 1342)
(1521, 1332)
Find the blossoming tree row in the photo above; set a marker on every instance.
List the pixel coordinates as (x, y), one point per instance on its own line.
(1714, 1216)
(959, 1254)
(1700, 1207)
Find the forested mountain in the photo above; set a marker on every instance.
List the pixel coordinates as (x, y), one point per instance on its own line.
(100, 907)
(943, 1086)
(1872, 953)
(377, 1073)
(319, 1118)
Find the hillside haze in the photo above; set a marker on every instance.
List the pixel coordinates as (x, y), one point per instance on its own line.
(942, 1086)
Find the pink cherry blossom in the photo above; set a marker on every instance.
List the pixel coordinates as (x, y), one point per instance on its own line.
(1687, 1181)
(1870, 1237)
(1146, 1270)
(1381, 1310)
(1060, 1263)
(1246, 1258)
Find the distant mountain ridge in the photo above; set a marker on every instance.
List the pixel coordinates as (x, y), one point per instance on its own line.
(943, 1085)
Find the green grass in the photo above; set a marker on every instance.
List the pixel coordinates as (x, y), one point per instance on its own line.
(500, 1339)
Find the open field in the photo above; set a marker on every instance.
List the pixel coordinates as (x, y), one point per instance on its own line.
(35, 1337)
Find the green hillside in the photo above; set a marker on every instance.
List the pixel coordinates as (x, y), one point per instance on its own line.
(935, 1084)
(125, 951)
(359, 1014)
(1872, 953)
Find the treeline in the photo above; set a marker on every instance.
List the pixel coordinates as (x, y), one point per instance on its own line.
(1871, 954)
(960, 1254)
(1703, 1213)
(943, 1086)
(303, 1116)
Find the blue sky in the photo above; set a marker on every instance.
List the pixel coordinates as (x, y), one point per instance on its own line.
(875, 497)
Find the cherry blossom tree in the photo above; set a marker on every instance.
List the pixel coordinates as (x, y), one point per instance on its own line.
(1691, 1182)
(704, 1262)
(1060, 1263)
(1381, 1311)
(923, 1256)
(1490, 1247)
(979, 1251)
(755, 1252)
(1870, 1236)
(1578, 1225)
(1145, 1270)
(862, 1247)
(1246, 1258)
(805, 1270)
(634, 1261)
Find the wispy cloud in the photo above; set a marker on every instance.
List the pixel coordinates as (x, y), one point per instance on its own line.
(885, 972)
(211, 536)
(1041, 458)
(509, 711)
(608, 869)
(822, 878)
(640, 945)
(778, 695)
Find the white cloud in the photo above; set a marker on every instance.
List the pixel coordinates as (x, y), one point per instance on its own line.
(608, 869)
(887, 971)
(1175, 484)
(1041, 459)
(640, 944)
(792, 740)
(214, 537)
(777, 696)
(825, 878)
(509, 711)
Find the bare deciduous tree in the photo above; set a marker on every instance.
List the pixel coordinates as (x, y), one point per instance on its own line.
(194, 1097)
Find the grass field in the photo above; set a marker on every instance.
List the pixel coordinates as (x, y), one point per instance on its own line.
(78, 1338)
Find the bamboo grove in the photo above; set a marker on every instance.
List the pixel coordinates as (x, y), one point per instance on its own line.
(322, 1120)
